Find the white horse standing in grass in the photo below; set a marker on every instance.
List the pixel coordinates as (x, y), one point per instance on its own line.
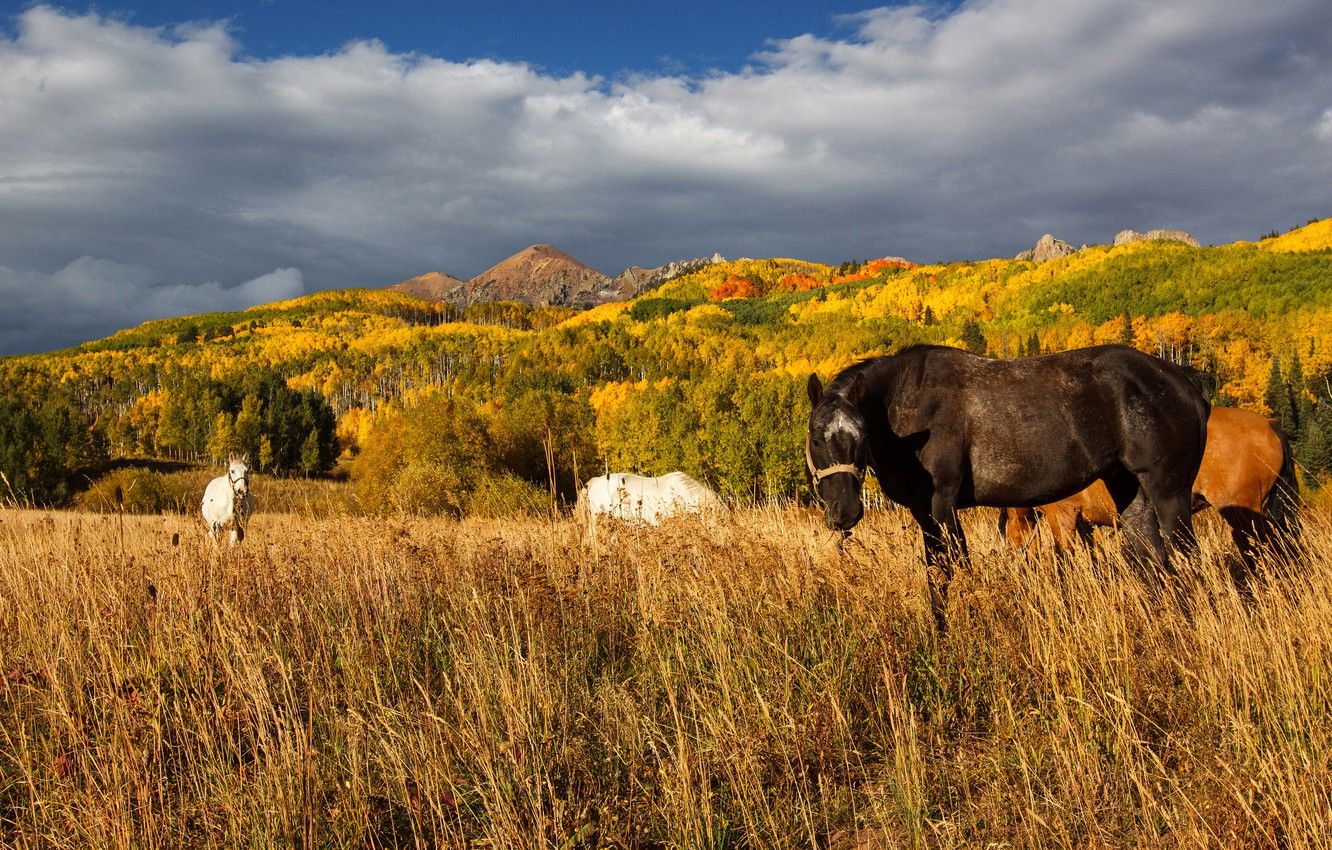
(227, 502)
(650, 500)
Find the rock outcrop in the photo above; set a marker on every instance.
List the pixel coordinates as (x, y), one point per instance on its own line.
(1124, 237)
(636, 279)
(1047, 248)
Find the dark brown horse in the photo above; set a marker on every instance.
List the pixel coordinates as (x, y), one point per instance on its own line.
(943, 429)
(1247, 474)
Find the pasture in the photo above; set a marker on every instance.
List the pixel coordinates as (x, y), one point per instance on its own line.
(741, 681)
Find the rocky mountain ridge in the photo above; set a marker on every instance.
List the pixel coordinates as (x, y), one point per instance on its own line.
(1049, 248)
(544, 275)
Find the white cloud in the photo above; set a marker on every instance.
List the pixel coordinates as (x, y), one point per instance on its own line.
(926, 131)
(184, 299)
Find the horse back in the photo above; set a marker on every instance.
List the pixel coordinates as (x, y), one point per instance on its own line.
(689, 491)
(597, 494)
(1034, 430)
(1242, 462)
(1092, 388)
(218, 491)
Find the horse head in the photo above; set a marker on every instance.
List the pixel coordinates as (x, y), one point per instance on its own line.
(238, 475)
(837, 451)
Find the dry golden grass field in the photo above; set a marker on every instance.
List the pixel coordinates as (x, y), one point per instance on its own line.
(736, 683)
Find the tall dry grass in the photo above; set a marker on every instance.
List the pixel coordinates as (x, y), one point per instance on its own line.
(345, 682)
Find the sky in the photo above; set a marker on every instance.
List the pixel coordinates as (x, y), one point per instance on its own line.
(162, 159)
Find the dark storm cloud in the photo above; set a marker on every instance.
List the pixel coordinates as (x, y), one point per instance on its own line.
(152, 171)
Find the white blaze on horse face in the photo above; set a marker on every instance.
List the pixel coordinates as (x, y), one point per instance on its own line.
(841, 422)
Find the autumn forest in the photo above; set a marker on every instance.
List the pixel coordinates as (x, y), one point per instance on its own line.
(499, 408)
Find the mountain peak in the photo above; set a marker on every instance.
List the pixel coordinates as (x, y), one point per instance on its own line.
(1047, 248)
(543, 248)
(538, 274)
(432, 286)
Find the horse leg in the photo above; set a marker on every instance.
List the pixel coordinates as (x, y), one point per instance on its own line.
(1172, 499)
(1169, 487)
(938, 569)
(1063, 523)
(1176, 516)
(943, 510)
(1068, 528)
(1017, 526)
(1143, 546)
(1082, 527)
(1248, 530)
(945, 545)
(1172, 532)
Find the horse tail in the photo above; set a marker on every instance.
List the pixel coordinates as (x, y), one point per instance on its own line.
(1282, 505)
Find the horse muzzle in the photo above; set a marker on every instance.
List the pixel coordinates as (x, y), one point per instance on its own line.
(842, 521)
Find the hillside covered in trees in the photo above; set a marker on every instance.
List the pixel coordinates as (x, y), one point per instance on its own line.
(434, 408)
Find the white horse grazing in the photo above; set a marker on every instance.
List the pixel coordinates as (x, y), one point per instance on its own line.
(227, 502)
(650, 500)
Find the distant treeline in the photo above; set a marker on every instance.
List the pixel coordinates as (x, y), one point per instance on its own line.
(52, 438)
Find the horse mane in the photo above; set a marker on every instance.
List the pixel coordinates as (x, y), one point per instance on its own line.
(872, 367)
(691, 485)
(842, 381)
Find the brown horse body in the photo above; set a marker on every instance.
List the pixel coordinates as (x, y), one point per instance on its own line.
(1246, 474)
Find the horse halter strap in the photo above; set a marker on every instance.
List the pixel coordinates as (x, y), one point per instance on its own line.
(820, 474)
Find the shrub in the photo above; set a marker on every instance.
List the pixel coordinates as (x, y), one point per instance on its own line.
(143, 492)
(655, 308)
(755, 311)
(426, 489)
(507, 496)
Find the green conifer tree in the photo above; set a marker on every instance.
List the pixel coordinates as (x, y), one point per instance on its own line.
(1277, 398)
(1126, 336)
(310, 460)
(1300, 404)
(972, 337)
(1314, 452)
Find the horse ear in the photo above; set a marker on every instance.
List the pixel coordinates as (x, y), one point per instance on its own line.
(815, 389)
